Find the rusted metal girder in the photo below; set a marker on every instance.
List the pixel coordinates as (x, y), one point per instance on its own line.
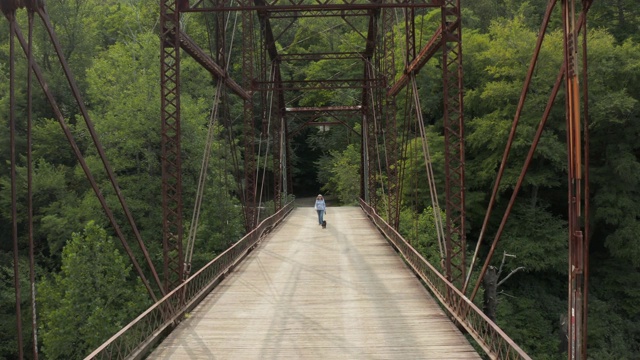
(321, 84)
(454, 141)
(505, 155)
(249, 130)
(95, 139)
(427, 52)
(390, 135)
(190, 47)
(9, 11)
(277, 105)
(369, 141)
(368, 173)
(315, 6)
(576, 328)
(323, 109)
(94, 185)
(343, 13)
(321, 56)
(410, 36)
(31, 7)
(312, 122)
(578, 261)
(172, 229)
(36, 6)
(279, 143)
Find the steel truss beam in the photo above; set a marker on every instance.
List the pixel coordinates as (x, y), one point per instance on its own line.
(249, 131)
(283, 14)
(369, 139)
(190, 47)
(390, 135)
(324, 84)
(172, 229)
(578, 238)
(321, 56)
(277, 104)
(315, 6)
(427, 52)
(454, 142)
(323, 109)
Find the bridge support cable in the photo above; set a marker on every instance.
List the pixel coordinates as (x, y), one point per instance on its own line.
(172, 231)
(512, 132)
(368, 112)
(266, 131)
(224, 58)
(80, 158)
(273, 105)
(32, 272)
(433, 191)
(202, 180)
(94, 136)
(454, 141)
(374, 130)
(10, 13)
(579, 256)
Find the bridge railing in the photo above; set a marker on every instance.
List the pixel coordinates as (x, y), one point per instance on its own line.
(486, 333)
(139, 336)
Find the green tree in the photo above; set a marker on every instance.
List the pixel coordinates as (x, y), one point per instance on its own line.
(344, 175)
(92, 297)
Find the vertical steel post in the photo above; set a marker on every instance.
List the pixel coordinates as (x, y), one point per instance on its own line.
(371, 108)
(11, 16)
(249, 122)
(586, 4)
(364, 141)
(410, 35)
(454, 141)
(277, 112)
(32, 271)
(574, 151)
(172, 231)
(390, 134)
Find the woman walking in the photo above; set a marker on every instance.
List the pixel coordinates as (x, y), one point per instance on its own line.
(321, 208)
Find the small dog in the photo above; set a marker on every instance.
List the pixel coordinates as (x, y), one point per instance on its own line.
(324, 224)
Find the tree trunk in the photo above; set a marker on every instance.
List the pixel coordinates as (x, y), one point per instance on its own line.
(490, 301)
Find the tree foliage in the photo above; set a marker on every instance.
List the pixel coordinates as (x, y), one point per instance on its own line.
(92, 297)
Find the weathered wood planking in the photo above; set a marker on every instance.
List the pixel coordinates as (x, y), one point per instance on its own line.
(309, 293)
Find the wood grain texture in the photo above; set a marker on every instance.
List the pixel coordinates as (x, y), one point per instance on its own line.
(312, 293)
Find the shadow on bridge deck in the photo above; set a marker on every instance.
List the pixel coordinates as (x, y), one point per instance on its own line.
(309, 293)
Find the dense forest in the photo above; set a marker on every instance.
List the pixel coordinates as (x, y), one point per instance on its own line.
(86, 287)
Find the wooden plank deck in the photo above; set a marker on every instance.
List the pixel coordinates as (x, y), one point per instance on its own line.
(309, 293)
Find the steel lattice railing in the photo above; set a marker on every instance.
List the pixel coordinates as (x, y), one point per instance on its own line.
(135, 339)
(487, 334)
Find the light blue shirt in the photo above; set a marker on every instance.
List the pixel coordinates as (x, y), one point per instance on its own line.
(320, 205)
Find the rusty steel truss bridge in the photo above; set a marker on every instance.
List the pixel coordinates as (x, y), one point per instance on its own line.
(258, 82)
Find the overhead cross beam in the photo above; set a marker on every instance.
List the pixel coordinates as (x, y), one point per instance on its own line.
(316, 6)
(427, 52)
(198, 54)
